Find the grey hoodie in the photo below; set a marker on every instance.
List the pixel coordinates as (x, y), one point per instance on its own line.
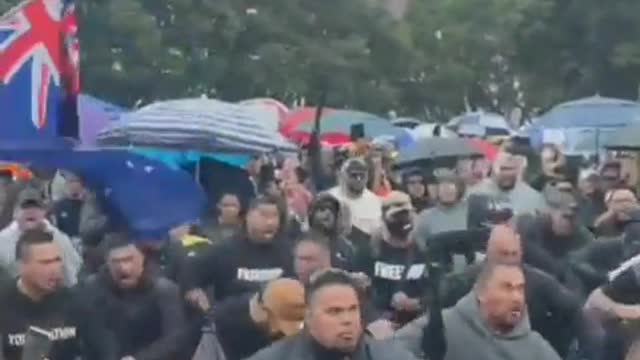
(469, 338)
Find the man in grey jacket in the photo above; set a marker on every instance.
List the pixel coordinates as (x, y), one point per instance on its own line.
(333, 327)
(491, 322)
(31, 215)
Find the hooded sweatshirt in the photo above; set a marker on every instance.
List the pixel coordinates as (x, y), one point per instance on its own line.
(468, 337)
(342, 249)
(365, 209)
(71, 260)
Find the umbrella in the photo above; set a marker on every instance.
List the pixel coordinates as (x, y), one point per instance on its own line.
(435, 148)
(406, 122)
(275, 110)
(300, 116)
(328, 139)
(196, 124)
(143, 194)
(430, 130)
(341, 122)
(480, 124)
(489, 150)
(625, 139)
(592, 112)
(272, 111)
(584, 125)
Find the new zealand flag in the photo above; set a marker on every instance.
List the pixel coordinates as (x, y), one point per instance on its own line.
(39, 74)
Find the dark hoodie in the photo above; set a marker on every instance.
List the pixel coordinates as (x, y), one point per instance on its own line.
(468, 337)
(342, 250)
(423, 202)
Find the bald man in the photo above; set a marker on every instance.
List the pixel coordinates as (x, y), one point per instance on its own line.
(504, 246)
(506, 184)
(551, 305)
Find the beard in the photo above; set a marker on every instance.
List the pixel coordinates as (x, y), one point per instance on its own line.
(507, 185)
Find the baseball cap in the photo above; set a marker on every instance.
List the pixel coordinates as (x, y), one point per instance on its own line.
(283, 300)
(396, 202)
(560, 200)
(30, 198)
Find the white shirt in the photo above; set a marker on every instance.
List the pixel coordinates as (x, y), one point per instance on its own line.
(365, 210)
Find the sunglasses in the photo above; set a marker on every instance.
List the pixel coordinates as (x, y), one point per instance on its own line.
(356, 175)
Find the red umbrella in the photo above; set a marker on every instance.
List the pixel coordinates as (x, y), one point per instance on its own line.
(489, 150)
(330, 139)
(299, 116)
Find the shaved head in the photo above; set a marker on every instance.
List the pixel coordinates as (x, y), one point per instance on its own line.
(505, 159)
(506, 170)
(504, 246)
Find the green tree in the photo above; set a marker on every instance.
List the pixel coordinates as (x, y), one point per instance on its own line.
(143, 50)
(491, 54)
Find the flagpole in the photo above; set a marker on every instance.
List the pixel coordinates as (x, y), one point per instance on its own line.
(315, 154)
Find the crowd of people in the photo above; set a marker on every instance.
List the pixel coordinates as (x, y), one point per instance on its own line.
(336, 255)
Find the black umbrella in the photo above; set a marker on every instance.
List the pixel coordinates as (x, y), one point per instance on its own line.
(428, 150)
(624, 139)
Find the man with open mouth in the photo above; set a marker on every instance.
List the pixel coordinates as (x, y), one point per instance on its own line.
(491, 322)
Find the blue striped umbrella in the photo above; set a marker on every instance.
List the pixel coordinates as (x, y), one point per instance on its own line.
(196, 124)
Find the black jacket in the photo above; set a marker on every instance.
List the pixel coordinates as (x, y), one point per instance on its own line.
(146, 323)
(238, 334)
(550, 253)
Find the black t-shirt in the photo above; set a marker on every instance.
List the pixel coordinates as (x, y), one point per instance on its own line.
(395, 270)
(624, 288)
(57, 313)
(239, 266)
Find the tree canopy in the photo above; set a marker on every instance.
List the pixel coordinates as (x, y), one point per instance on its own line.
(443, 56)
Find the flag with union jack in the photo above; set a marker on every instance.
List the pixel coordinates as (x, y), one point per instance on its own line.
(39, 73)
